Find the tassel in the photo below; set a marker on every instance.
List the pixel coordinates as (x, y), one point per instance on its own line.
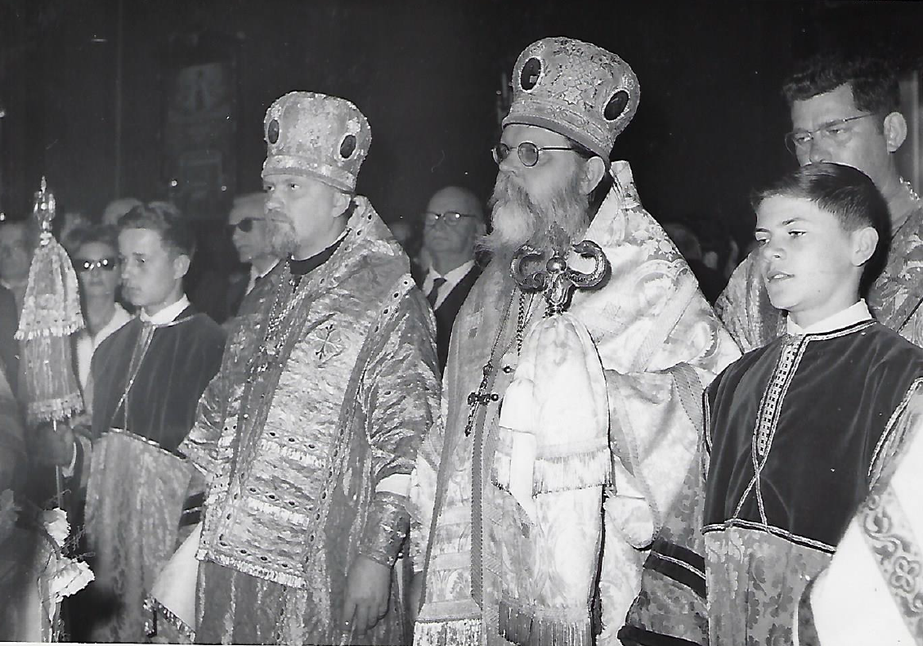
(457, 631)
(576, 471)
(527, 627)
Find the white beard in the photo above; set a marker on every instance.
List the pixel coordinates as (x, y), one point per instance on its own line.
(547, 224)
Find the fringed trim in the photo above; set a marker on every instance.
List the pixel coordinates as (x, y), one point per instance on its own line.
(440, 633)
(525, 628)
(580, 471)
(57, 329)
(156, 614)
(54, 409)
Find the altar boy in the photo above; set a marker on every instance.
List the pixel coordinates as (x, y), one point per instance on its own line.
(796, 432)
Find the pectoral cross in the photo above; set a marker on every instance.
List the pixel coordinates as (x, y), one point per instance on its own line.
(480, 398)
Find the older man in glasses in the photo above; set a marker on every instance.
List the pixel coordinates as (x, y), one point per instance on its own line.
(453, 222)
(598, 403)
(248, 235)
(845, 110)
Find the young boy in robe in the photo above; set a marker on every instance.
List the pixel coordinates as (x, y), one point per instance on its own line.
(796, 432)
(799, 430)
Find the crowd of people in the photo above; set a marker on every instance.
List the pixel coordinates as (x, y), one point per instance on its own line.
(533, 429)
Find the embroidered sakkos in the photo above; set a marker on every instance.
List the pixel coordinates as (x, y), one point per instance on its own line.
(333, 404)
(658, 342)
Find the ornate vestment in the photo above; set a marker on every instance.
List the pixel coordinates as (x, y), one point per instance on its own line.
(658, 342)
(798, 431)
(147, 382)
(894, 298)
(872, 591)
(307, 446)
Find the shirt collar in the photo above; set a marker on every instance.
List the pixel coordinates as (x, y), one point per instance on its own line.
(853, 314)
(167, 314)
(254, 274)
(453, 276)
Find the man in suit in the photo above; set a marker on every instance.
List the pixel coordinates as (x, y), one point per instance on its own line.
(247, 225)
(454, 221)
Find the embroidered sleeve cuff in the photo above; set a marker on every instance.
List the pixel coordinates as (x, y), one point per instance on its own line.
(385, 529)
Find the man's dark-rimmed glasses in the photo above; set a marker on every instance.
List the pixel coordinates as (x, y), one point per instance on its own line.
(245, 225)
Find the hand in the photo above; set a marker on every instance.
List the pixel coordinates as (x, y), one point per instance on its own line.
(367, 588)
(53, 446)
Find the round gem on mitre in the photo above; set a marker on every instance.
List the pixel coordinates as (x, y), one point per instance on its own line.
(348, 146)
(315, 135)
(530, 74)
(576, 89)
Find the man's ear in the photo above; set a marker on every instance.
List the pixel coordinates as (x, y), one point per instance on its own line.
(180, 266)
(593, 171)
(340, 203)
(895, 130)
(865, 240)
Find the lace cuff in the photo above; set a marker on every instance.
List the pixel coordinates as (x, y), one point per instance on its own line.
(385, 529)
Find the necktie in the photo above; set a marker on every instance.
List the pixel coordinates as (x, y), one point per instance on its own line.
(438, 282)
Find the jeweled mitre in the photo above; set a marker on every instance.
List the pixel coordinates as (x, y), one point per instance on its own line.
(320, 136)
(576, 89)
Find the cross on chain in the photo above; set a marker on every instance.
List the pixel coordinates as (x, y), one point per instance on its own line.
(480, 398)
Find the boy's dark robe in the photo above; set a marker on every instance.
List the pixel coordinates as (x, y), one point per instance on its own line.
(137, 483)
(797, 433)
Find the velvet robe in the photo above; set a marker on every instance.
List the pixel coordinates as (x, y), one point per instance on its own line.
(137, 483)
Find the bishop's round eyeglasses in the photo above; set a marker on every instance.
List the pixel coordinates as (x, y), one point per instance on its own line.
(83, 265)
(245, 225)
(452, 218)
(835, 132)
(528, 152)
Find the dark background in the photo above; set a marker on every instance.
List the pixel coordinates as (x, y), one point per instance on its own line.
(83, 84)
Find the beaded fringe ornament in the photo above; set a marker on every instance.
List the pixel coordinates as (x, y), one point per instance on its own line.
(50, 314)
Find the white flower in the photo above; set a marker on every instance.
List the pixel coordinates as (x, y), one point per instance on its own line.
(55, 522)
(70, 577)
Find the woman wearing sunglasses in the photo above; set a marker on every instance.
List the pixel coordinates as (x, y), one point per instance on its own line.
(95, 258)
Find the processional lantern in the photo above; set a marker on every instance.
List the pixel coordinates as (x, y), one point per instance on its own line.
(50, 314)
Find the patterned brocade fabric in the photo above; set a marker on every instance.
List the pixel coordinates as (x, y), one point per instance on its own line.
(755, 581)
(292, 503)
(385, 529)
(659, 343)
(872, 592)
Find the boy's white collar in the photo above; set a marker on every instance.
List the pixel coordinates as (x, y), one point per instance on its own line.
(167, 314)
(855, 313)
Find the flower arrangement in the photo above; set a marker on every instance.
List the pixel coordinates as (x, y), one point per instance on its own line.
(36, 572)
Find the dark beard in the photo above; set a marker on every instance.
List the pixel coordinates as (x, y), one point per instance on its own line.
(550, 224)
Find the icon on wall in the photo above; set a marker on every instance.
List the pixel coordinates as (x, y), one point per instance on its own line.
(200, 132)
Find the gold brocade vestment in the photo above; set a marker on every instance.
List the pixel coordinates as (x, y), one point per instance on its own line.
(298, 454)
(659, 343)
